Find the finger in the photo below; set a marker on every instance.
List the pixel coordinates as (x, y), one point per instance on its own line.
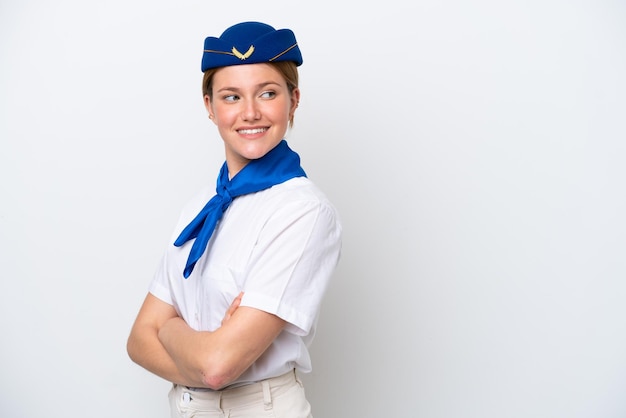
(237, 301)
(232, 308)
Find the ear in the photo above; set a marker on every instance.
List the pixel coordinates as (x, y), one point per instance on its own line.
(209, 107)
(295, 100)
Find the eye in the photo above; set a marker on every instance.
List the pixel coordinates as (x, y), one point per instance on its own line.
(268, 94)
(230, 98)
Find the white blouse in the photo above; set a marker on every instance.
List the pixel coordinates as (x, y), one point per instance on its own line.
(280, 247)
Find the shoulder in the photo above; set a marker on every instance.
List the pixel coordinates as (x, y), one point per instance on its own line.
(299, 192)
(299, 189)
(299, 200)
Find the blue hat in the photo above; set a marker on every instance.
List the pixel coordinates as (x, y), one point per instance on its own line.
(250, 43)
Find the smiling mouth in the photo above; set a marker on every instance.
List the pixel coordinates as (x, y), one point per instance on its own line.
(252, 131)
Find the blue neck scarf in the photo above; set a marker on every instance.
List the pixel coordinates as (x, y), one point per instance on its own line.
(275, 167)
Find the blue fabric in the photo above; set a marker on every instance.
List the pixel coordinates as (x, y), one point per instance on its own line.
(250, 43)
(275, 167)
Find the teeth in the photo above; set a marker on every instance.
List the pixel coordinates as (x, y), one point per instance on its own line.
(251, 131)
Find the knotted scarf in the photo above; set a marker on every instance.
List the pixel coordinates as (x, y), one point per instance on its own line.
(275, 167)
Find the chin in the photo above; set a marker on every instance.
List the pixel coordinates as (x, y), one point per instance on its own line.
(256, 151)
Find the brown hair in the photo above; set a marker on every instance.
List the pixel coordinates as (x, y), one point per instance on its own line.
(287, 69)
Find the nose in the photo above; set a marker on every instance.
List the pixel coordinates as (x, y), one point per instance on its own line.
(251, 111)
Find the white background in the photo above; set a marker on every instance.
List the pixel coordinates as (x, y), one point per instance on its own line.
(475, 150)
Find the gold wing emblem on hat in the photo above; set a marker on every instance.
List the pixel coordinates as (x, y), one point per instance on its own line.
(243, 56)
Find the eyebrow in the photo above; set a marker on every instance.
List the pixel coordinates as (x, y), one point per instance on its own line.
(258, 87)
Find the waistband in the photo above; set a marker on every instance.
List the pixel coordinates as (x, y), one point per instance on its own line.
(262, 391)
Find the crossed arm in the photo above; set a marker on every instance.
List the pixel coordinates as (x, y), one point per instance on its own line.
(163, 343)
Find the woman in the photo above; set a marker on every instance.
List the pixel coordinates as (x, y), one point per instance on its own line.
(233, 306)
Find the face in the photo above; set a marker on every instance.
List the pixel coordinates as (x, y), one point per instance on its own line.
(251, 106)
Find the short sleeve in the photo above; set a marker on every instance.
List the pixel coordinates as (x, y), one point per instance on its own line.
(160, 285)
(293, 261)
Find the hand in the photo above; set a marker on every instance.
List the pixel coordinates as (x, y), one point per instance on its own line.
(232, 308)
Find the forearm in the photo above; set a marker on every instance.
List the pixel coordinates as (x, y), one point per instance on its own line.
(216, 359)
(145, 349)
(186, 348)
